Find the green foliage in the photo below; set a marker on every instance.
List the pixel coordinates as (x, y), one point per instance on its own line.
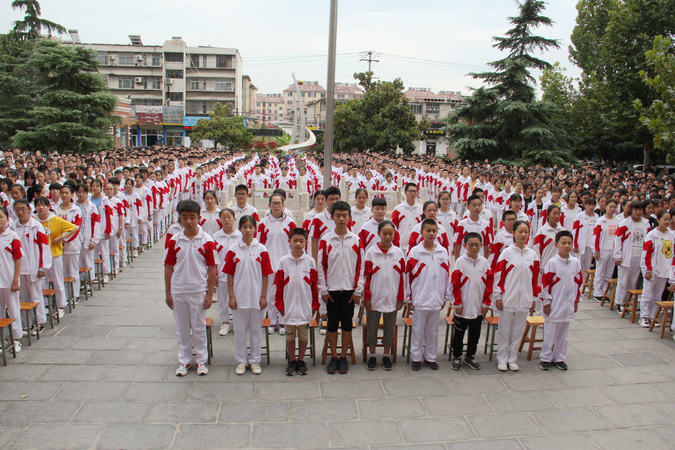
(659, 117)
(504, 120)
(609, 43)
(284, 139)
(222, 128)
(382, 120)
(31, 26)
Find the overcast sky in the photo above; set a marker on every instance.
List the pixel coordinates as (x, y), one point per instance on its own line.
(277, 38)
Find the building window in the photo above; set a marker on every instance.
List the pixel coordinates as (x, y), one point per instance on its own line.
(155, 84)
(194, 85)
(417, 108)
(223, 62)
(102, 58)
(223, 86)
(173, 57)
(194, 60)
(126, 82)
(126, 59)
(156, 59)
(174, 96)
(204, 61)
(174, 73)
(433, 109)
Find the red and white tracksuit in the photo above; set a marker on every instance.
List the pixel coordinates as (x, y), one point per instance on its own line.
(657, 258)
(416, 237)
(561, 288)
(10, 251)
(582, 229)
(368, 236)
(296, 292)
(384, 278)
(482, 227)
(405, 217)
(628, 244)
(223, 244)
(604, 234)
(72, 247)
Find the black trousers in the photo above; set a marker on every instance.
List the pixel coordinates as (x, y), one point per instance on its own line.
(340, 311)
(461, 325)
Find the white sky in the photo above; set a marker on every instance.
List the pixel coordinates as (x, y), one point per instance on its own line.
(276, 38)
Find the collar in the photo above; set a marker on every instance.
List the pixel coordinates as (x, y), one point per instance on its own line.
(242, 244)
(200, 235)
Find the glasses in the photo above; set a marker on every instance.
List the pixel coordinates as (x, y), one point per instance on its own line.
(20, 210)
(276, 204)
(474, 244)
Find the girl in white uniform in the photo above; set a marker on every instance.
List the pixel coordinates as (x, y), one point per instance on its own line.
(604, 233)
(657, 266)
(225, 238)
(209, 217)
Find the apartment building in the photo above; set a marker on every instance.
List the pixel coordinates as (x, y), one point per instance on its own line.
(435, 108)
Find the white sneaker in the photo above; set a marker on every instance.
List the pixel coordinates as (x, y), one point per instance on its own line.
(106, 279)
(224, 329)
(514, 367)
(270, 330)
(644, 323)
(134, 253)
(322, 331)
(282, 330)
(182, 370)
(61, 313)
(17, 346)
(502, 367)
(241, 369)
(256, 369)
(202, 369)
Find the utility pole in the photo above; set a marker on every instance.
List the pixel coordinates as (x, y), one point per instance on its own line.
(370, 60)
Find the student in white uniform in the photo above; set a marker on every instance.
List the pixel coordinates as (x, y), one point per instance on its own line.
(190, 279)
(209, 216)
(10, 273)
(407, 214)
(628, 245)
(225, 238)
(603, 251)
(360, 211)
(582, 229)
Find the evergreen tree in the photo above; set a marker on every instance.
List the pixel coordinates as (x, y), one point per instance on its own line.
(30, 28)
(503, 119)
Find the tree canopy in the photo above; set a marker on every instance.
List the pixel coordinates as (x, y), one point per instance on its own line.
(222, 128)
(503, 118)
(30, 28)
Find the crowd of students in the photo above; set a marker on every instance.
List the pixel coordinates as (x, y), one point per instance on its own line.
(508, 240)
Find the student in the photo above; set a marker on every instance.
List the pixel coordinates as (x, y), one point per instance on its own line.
(340, 286)
(473, 223)
(656, 263)
(210, 213)
(384, 291)
(628, 245)
(115, 211)
(189, 281)
(583, 233)
(561, 289)
(471, 281)
(274, 232)
(90, 233)
(544, 241)
(58, 231)
(535, 212)
(447, 217)
(145, 211)
(360, 212)
(603, 251)
(429, 212)
(72, 246)
(514, 290)
(516, 205)
(569, 212)
(428, 271)
(297, 298)
(407, 214)
(225, 238)
(10, 272)
(323, 223)
(503, 238)
(369, 234)
(242, 208)
(247, 265)
(135, 211)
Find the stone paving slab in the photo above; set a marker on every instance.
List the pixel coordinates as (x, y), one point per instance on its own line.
(104, 378)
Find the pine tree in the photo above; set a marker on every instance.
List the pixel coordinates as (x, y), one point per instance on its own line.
(30, 28)
(504, 119)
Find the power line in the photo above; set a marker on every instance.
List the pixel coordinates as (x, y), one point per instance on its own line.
(369, 59)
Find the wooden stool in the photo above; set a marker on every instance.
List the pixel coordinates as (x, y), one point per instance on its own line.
(5, 323)
(51, 305)
(28, 307)
(406, 315)
(610, 292)
(380, 337)
(631, 305)
(666, 319)
(70, 294)
(209, 340)
(449, 331)
(533, 322)
(113, 269)
(85, 276)
(350, 350)
(265, 349)
(588, 282)
(311, 345)
(492, 325)
(100, 280)
(130, 254)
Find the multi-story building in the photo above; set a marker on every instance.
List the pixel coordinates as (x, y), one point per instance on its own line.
(434, 108)
(309, 91)
(170, 86)
(314, 96)
(269, 108)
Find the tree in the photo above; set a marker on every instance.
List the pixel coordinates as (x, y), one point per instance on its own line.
(71, 108)
(503, 119)
(382, 120)
(609, 43)
(222, 128)
(30, 28)
(659, 117)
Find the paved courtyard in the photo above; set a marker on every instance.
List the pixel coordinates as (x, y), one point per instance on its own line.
(105, 378)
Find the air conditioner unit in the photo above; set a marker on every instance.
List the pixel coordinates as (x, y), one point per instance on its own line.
(111, 57)
(168, 81)
(139, 58)
(139, 80)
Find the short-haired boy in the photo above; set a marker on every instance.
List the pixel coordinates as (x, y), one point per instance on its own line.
(297, 298)
(190, 279)
(472, 281)
(560, 293)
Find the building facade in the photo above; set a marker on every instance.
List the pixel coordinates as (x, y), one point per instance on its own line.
(269, 108)
(171, 85)
(435, 108)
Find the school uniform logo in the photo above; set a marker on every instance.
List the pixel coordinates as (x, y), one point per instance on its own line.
(667, 247)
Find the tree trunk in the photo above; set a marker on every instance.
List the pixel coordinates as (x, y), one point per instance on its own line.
(646, 149)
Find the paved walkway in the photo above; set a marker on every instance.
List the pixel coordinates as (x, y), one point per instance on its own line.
(105, 379)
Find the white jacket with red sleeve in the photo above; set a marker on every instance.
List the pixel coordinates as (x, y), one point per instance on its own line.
(274, 234)
(580, 231)
(561, 287)
(72, 246)
(405, 217)
(368, 235)
(471, 285)
(90, 230)
(416, 237)
(296, 289)
(657, 254)
(602, 227)
(428, 278)
(516, 279)
(340, 263)
(544, 242)
(623, 242)
(384, 278)
(37, 254)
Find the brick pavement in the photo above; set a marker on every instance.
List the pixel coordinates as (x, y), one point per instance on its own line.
(105, 378)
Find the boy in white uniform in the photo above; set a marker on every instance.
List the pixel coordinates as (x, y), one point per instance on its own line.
(190, 279)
